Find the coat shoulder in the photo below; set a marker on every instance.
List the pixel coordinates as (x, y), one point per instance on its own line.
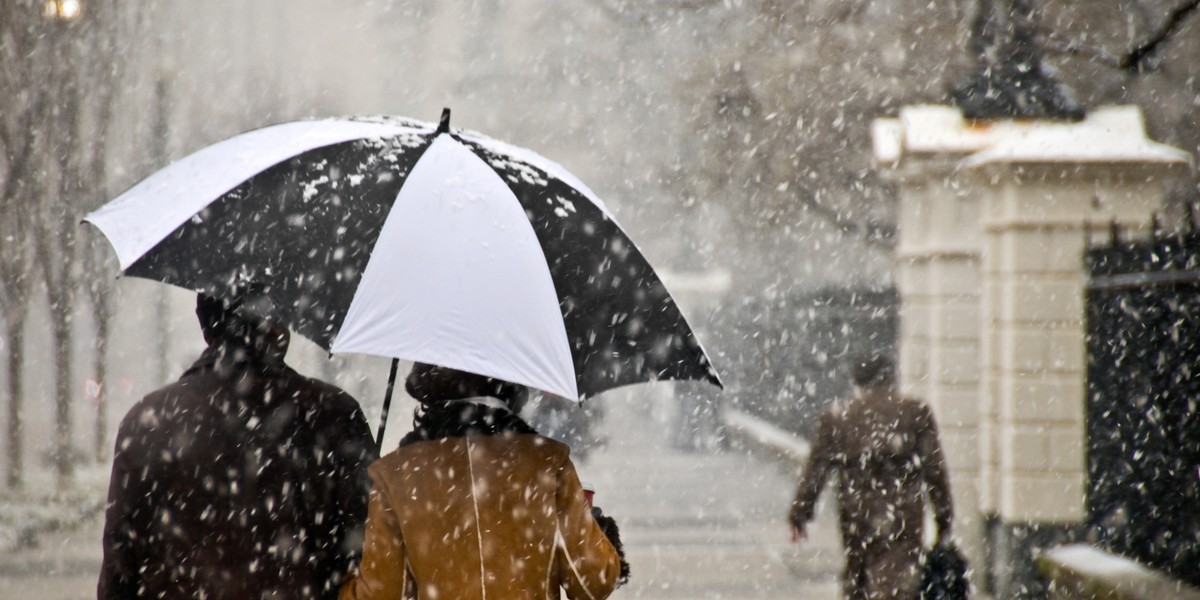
(393, 466)
(332, 407)
(545, 445)
(532, 444)
(552, 453)
(329, 393)
(916, 407)
(837, 413)
(156, 407)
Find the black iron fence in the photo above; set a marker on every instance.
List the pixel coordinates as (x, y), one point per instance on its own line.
(1143, 412)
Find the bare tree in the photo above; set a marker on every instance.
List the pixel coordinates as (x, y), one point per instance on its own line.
(105, 66)
(1139, 52)
(54, 229)
(59, 70)
(22, 142)
(1142, 56)
(775, 104)
(86, 92)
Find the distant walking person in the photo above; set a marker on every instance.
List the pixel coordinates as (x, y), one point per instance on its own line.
(886, 452)
(243, 479)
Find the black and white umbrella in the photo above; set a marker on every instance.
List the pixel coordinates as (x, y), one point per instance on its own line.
(398, 238)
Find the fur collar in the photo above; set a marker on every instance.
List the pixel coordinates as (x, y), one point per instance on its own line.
(463, 417)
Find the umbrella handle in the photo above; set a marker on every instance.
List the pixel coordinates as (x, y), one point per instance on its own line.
(387, 403)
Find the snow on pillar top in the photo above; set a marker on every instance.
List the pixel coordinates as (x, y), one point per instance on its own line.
(1108, 135)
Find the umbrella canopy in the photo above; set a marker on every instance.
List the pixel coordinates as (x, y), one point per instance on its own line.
(398, 238)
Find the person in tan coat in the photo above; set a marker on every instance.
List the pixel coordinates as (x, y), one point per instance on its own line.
(886, 453)
(475, 505)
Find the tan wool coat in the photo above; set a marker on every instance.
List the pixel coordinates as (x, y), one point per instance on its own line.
(480, 517)
(886, 454)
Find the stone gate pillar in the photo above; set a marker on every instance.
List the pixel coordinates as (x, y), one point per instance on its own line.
(939, 281)
(993, 217)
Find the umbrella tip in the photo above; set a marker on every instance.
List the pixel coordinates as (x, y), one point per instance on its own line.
(444, 124)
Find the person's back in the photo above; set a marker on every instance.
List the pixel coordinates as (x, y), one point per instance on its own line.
(475, 505)
(879, 456)
(885, 451)
(484, 516)
(243, 479)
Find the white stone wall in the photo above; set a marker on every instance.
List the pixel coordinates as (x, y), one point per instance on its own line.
(938, 254)
(1035, 222)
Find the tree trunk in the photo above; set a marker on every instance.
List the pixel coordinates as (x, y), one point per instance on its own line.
(99, 367)
(16, 391)
(64, 454)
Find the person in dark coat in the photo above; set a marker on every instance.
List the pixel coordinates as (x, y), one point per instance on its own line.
(886, 453)
(243, 479)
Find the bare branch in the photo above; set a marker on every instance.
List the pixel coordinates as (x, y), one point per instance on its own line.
(1052, 42)
(870, 232)
(1137, 60)
(1139, 57)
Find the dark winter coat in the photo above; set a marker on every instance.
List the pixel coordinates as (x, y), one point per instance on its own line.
(886, 453)
(243, 479)
(475, 506)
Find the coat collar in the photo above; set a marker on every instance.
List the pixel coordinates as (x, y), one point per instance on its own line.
(230, 358)
(463, 417)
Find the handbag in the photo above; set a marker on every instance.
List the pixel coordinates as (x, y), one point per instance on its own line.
(944, 574)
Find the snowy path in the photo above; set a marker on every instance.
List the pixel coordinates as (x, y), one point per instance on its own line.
(63, 567)
(702, 524)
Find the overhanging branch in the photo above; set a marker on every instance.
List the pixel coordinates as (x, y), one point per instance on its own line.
(1136, 60)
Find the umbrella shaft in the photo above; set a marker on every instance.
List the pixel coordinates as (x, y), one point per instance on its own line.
(387, 403)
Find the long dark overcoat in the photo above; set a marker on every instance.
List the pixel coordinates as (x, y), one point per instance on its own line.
(243, 479)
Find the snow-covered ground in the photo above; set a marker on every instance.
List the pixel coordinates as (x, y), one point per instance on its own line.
(41, 508)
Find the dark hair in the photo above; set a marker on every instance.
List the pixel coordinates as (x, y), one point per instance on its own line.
(453, 384)
(218, 320)
(453, 419)
(870, 369)
(234, 317)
